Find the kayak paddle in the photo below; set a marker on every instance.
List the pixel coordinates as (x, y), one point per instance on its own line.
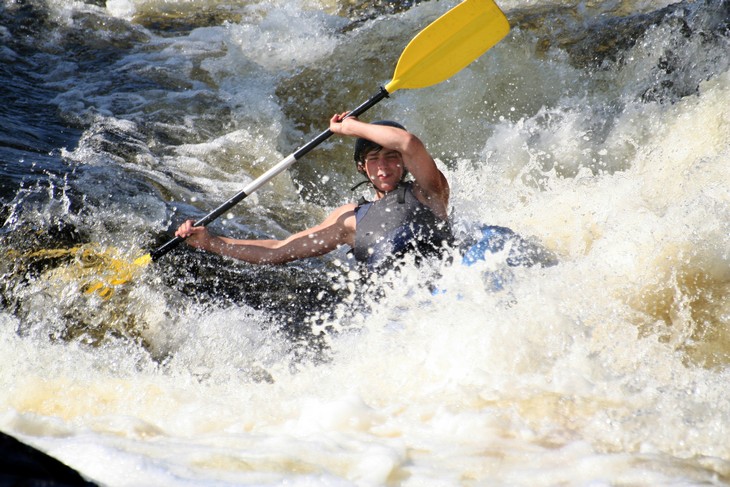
(439, 51)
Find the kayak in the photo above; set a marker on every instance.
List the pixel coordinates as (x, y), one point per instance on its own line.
(495, 246)
(519, 251)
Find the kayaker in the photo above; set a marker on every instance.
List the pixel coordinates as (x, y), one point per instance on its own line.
(404, 216)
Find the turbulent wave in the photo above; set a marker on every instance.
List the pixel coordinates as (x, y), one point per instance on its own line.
(597, 128)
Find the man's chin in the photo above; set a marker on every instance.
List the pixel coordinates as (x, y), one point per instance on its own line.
(385, 187)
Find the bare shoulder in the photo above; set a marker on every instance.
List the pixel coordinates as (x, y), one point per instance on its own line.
(343, 211)
(341, 221)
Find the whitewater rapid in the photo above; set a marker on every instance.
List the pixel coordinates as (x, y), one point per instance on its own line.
(609, 368)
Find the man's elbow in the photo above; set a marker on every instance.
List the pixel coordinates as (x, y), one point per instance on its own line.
(411, 144)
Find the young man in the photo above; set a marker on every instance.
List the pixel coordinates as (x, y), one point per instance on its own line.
(404, 217)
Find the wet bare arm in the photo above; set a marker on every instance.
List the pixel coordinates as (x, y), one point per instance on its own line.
(336, 230)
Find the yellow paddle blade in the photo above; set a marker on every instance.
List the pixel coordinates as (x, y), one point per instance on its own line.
(109, 270)
(449, 44)
(92, 268)
(143, 261)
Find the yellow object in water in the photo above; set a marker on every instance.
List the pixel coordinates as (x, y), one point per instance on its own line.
(143, 261)
(111, 271)
(93, 268)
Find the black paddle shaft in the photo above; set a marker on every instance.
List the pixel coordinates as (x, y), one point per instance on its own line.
(240, 196)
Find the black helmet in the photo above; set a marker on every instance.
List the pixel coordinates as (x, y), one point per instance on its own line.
(363, 146)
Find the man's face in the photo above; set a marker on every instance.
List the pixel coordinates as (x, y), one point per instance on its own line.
(384, 168)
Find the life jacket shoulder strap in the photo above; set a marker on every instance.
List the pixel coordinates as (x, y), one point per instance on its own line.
(362, 208)
(402, 193)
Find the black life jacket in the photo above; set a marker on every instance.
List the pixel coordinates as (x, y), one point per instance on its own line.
(396, 224)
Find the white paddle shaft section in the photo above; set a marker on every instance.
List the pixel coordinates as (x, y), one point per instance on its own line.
(282, 166)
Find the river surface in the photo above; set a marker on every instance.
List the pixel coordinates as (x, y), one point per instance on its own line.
(599, 128)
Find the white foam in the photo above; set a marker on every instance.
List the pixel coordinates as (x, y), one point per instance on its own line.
(590, 372)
